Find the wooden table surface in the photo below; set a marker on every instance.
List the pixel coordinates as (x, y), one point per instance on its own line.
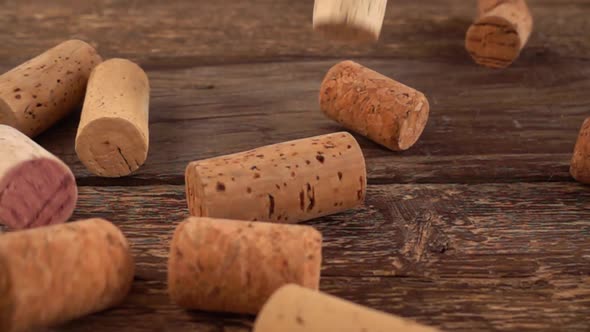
(478, 227)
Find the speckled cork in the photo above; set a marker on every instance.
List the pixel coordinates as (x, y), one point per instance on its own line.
(113, 135)
(285, 183)
(234, 266)
(373, 105)
(36, 188)
(580, 164)
(349, 20)
(54, 274)
(500, 32)
(297, 309)
(41, 91)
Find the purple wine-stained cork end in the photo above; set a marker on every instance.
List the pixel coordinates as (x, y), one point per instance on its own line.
(37, 193)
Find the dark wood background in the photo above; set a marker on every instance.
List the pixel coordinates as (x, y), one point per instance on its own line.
(478, 227)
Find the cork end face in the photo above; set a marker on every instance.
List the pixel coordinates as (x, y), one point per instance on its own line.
(37, 193)
(343, 32)
(493, 42)
(414, 124)
(6, 297)
(111, 147)
(194, 191)
(7, 117)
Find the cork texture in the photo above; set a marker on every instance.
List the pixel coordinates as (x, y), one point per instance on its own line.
(113, 135)
(580, 164)
(500, 32)
(349, 20)
(285, 183)
(36, 188)
(296, 309)
(234, 266)
(375, 106)
(58, 273)
(41, 91)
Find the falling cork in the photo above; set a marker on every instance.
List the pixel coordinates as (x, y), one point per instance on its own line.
(36, 188)
(349, 20)
(40, 92)
(580, 165)
(387, 112)
(113, 136)
(500, 32)
(54, 274)
(297, 309)
(286, 183)
(234, 266)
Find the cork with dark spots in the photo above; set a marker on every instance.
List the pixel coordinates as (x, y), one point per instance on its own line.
(37, 260)
(243, 263)
(580, 163)
(500, 32)
(373, 105)
(309, 194)
(41, 79)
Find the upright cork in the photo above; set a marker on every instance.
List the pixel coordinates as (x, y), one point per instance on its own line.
(296, 309)
(285, 183)
(36, 188)
(40, 92)
(234, 266)
(580, 165)
(54, 274)
(500, 32)
(385, 111)
(113, 136)
(349, 20)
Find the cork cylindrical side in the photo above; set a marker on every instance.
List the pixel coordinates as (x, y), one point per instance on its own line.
(6, 296)
(580, 164)
(234, 266)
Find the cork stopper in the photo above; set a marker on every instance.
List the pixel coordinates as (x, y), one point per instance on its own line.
(500, 32)
(40, 92)
(113, 135)
(36, 188)
(62, 272)
(375, 106)
(580, 164)
(296, 309)
(286, 183)
(349, 20)
(234, 266)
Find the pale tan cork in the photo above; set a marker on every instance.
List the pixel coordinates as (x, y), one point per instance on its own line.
(58, 273)
(500, 32)
(40, 92)
(296, 309)
(36, 188)
(375, 106)
(580, 164)
(113, 135)
(349, 20)
(234, 266)
(285, 183)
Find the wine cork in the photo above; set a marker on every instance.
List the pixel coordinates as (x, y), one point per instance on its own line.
(113, 136)
(580, 165)
(385, 111)
(54, 274)
(40, 92)
(36, 188)
(297, 309)
(349, 20)
(234, 266)
(285, 183)
(500, 32)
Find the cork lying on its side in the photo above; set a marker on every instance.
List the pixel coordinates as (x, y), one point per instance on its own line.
(349, 20)
(286, 183)
(41, 91)
(36, 188)
(113, 136)
(580, 164)
(387, 112)
(500, 32)
(296, 309)
(234, 266)
(54, 274)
